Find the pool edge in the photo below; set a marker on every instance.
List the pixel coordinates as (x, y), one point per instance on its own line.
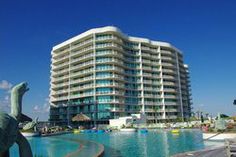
(100, 146)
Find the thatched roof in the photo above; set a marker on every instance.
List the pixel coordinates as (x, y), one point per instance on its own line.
(80, 118)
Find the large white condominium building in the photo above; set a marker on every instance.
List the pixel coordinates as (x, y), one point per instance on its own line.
(106, 74)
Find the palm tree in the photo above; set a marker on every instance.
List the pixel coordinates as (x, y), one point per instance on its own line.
(198, 114)
(206, 114)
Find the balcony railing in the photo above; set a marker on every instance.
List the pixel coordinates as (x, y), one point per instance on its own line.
(82, 57)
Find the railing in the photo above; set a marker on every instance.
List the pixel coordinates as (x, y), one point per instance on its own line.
(59, 85)
(110, 68)
(81, 72)
(117, 110)
(171, 96)
(82, 50)
(148, 88)
(170, 103)
(109, 60)
(156, 82)
(82, 43)
(55, 60)
(230, 147)
(146, 81)
(60, 98)
(60, 78)
(109, 84)
(82, 79)
(60, 92)
(81, 65)
(82, 57)
(107, 52)
(109, 92)
(60, 65)
(169, 77)
(147, 68)
(81, 87)
(59, 72)
(153, 110)
(169, 83)
(109, 76)
(155, 117)
(168, 71)
(170, 59)
(167, 52)
(146, 61)
(169, 90)
(146, 55)
(55, 54)
(111, 101)
(147, 74)
(168, 64)
(171, 110)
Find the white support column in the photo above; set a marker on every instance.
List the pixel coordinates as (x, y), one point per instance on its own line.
(179, 84)
(141, 79)
(69, 81)
(68, 98)
(94, 80)
(94, 66)
(162, 87)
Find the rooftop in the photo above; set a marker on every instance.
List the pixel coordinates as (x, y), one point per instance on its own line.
(117, 30)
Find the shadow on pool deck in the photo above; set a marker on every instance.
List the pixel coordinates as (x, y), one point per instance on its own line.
(86, 149)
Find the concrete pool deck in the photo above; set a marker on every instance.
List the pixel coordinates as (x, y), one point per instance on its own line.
(219, 136)
(219, 151)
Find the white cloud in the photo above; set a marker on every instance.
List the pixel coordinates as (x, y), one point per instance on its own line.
(42, 108)
(5, 85)
(36, 108)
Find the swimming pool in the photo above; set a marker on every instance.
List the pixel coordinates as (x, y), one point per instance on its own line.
(48, 147)
(156, 143)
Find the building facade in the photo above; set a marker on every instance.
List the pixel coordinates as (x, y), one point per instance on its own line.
(106, 74)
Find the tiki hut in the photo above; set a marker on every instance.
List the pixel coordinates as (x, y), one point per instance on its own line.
(82, 119)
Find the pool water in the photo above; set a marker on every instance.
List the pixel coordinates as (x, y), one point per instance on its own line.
(47, 147)
(158, 143)
(151, 144)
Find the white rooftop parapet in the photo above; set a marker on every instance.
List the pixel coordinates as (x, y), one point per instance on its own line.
(117, 30)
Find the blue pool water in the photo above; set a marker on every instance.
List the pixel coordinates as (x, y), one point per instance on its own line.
(119, 144)
(48, 147)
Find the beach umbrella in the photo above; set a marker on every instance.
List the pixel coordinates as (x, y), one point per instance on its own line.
(81, 118)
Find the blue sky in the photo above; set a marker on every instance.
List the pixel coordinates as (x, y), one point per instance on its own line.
(204, 30)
